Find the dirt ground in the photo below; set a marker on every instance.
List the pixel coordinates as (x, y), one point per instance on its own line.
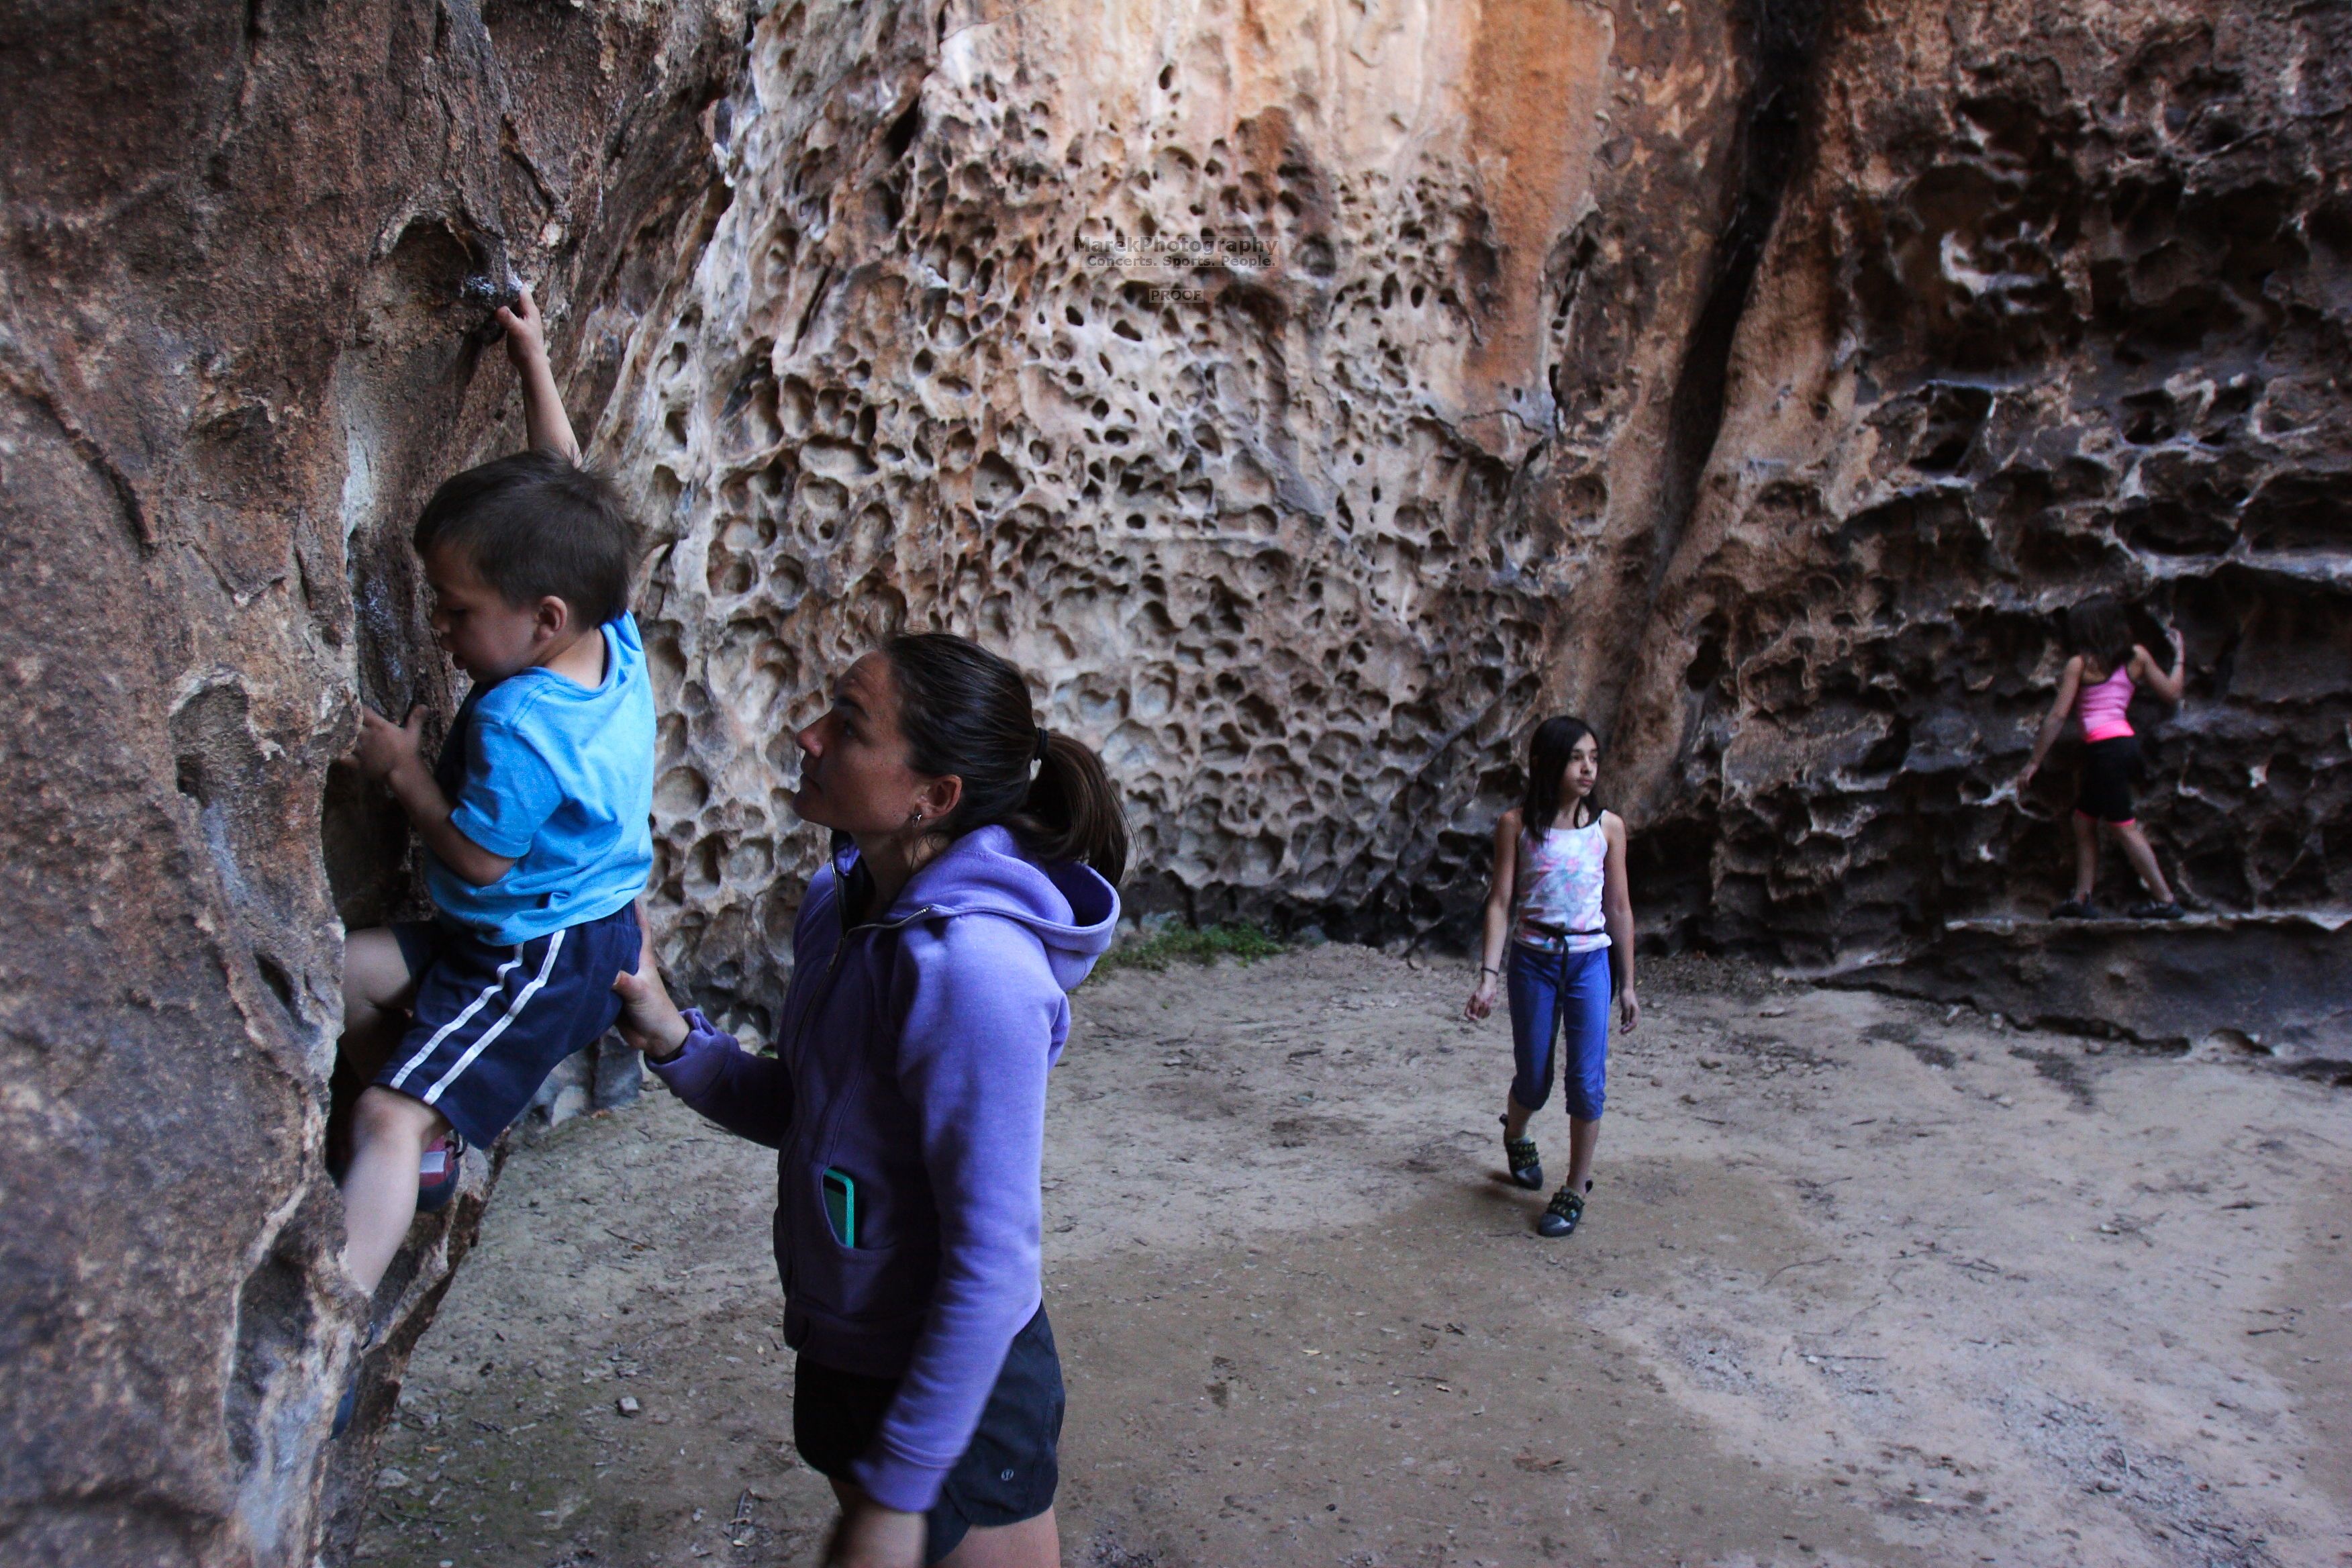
(1862, 1282)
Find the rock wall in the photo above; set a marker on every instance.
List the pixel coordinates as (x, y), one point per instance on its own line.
(1756, 380)
(1299, 538)
(1311, 395)
(2057, 305)
(236, 350)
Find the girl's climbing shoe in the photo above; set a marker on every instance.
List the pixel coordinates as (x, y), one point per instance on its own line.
(1527, 1165)
(1560, 1215)
(2075, 910)
(436, 1172)
(2152, 911)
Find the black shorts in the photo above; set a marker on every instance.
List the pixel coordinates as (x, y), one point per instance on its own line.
(2109, 771)
(490, 1023)
(1007, 1475)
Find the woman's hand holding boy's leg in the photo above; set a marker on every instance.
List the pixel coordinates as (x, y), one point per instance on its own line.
(649, 1020)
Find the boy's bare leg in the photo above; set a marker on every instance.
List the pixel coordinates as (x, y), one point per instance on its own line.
(377, 990)
(388, 1137)
(2143, 861)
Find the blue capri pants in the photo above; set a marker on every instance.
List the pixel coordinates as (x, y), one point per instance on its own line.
(1556, 994)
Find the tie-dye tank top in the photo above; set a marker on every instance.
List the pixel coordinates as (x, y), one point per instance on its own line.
(1560, 886)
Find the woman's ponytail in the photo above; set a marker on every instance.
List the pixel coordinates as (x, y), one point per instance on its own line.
(964, 711)
(1073, 812)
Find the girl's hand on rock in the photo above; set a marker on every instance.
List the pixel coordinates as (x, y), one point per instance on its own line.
(649, 1020)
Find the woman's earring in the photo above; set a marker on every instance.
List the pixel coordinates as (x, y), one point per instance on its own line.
(917, 817)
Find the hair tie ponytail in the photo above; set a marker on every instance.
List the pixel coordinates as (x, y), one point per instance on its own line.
(967, 711)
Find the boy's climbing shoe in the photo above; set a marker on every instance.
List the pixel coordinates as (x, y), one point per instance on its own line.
(2075, 910)
(1560, 1215)
(1527, 1165)
(351, 1400)
(348, 1407)
(436, 1172)
(2152, 911)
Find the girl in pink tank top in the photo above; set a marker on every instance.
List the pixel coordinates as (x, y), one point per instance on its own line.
(2104, 669)
(2106, 707)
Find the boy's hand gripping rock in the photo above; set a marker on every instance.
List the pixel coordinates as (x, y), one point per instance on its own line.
(526, 331)
(385, 747)
(550, 430)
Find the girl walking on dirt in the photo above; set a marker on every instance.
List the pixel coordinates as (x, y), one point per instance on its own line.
(2102, 669)
(1561, 859)
(969, 889)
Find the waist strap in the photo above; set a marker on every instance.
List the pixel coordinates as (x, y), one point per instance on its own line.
(1559, 934)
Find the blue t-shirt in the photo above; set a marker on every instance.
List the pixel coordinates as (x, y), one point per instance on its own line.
(558, 778)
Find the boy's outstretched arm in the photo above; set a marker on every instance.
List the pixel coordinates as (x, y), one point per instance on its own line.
(550, 430)
(388, 752)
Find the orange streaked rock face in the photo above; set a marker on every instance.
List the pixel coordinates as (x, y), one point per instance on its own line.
(1310, 395)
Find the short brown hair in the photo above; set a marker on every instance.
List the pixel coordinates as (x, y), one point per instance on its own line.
(535, 524)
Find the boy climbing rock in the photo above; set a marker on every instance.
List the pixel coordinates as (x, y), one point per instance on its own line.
(535, 821)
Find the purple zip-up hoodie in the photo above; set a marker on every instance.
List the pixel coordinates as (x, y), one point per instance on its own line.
(911, 1055)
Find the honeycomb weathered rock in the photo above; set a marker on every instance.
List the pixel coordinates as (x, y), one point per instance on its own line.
(1753, 379)
(1754, 383)
(2058, 306)
(1289, 538)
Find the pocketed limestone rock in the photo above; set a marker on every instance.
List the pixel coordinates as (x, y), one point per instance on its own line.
(235, 353)
(1310, 395)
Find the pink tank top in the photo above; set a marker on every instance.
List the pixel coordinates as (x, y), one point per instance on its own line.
(2103, 707)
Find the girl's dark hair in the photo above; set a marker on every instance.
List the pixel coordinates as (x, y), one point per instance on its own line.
(2096, 629)
(1547, 762)
(965, 712)
(534, 524)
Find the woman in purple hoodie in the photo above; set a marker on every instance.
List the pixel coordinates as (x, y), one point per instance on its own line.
(970, 889)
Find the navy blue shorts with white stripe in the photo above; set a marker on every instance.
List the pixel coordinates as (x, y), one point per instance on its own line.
(491, 1021)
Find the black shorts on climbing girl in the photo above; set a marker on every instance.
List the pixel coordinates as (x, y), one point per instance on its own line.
(2109, 771)
(492, 1020)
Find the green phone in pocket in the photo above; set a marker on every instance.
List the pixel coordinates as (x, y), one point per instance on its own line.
(841, 1206)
